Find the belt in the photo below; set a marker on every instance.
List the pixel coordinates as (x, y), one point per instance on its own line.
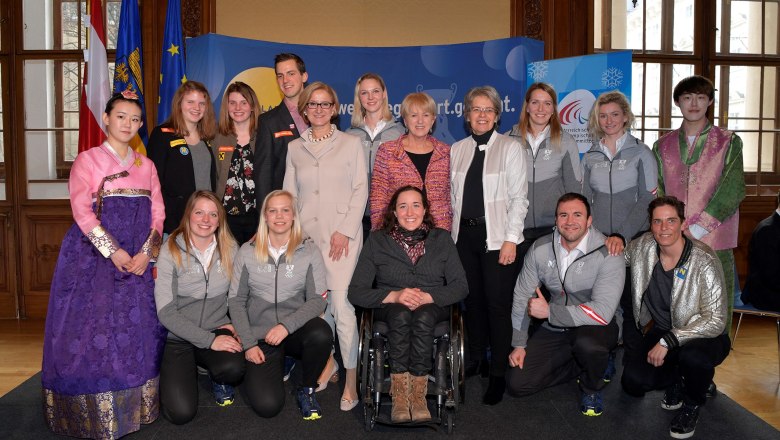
(472, 221)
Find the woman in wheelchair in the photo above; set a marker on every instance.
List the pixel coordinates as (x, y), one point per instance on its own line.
(409, 272)
(276, 297)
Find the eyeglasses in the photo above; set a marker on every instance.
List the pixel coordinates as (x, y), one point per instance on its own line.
(323, 105)
(485, 110)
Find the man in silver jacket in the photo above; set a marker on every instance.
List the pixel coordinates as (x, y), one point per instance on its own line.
(679, 332)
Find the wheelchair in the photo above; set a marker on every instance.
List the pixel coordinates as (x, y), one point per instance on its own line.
(446, 382)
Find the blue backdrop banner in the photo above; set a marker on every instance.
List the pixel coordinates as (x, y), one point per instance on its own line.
(445, 72)
(578, 81)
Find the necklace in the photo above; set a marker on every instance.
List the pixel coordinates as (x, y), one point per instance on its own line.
(322, 138)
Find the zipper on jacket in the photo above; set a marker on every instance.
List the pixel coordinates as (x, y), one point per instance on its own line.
(206, 296)
(276, 289)
(563, 281)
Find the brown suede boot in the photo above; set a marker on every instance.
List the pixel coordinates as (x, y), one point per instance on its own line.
(399, 389)
(419, 406)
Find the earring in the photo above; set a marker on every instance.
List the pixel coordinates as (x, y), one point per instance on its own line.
(304, 114)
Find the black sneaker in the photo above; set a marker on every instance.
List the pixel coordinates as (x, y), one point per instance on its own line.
(224, 394)
(591, 404)
(684, 423)
(712, 390)
(307, 402)
(673, 397)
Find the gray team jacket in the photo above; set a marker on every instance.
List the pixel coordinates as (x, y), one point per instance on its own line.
(551, 174)
(588, 295)
(390, 132)
(620, 189)
(190, 301)
(275, 292)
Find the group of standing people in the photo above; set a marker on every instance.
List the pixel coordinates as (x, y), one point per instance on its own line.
(266, 216)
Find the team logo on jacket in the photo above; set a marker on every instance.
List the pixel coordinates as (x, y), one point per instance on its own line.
(265, 268)
(289, 272)
(681, 272)
(547, 154)
(578, 269)
(184, 151)
(622, 164)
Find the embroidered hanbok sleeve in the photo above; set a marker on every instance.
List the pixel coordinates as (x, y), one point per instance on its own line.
(80, 186)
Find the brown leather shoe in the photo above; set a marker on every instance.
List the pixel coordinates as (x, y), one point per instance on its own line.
(399, 389)
(419, 406)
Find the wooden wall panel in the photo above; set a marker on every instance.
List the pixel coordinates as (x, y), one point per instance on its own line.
(8, 306)
(43, 229)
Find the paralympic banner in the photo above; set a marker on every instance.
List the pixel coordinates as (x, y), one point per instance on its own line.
(578, 81)
(446, 72)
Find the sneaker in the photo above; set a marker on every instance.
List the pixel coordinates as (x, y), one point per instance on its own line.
(684, 423)
(310, 408)
(591, 404)
(223, 394)
(712, 390)
(673, 397)
(609, 373)
(289, 364)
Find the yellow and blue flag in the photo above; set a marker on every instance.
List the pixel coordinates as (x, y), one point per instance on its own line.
(128, 66)
(172, 63)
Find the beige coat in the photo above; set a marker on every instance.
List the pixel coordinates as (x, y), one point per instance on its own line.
(329, 180)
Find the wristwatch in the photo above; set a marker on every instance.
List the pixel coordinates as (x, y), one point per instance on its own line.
(663, 343)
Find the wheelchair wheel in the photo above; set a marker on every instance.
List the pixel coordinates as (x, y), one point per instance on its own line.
(457, 350)
(449, 420)
(364, 373)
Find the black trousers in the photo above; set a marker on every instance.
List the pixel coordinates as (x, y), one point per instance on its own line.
(556, 357)
(264, 383)
(488, 314)
(243, 227)
(410, 335)
(179, 376)
(693, 363)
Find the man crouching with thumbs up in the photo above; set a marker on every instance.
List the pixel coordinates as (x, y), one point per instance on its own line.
(577, 328)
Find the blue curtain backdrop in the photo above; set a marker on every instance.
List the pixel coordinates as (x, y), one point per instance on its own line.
(446, 72)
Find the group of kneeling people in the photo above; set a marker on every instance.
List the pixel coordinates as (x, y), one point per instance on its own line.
(567, 295)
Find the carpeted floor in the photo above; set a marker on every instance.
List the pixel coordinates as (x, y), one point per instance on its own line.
(552, 414)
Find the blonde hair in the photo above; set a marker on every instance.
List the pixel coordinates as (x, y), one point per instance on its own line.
(357, 116)
(226, 124)
(225, 241)
(306, 96)
(606, 98)
(262, 240)
(207, 126)
(421, 100)
(555, 122)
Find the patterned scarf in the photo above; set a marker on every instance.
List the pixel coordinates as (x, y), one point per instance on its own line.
(413, 242)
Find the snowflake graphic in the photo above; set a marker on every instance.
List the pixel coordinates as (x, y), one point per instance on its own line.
(538, 70)
(612, 77)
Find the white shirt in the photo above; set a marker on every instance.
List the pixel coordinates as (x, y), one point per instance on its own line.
(536, 141)
(205, 256)
(566, 257)
(618, 145)
(276, 253)
(378, 129)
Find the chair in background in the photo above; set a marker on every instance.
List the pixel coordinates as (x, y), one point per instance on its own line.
(750, 310)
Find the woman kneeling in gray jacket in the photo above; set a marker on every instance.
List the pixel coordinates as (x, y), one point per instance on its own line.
(277, 295)
(191, 287)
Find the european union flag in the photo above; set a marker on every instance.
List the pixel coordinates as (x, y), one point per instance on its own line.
(172, 63)
(128, 66)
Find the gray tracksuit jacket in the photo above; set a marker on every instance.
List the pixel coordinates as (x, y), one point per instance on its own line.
(588, 294)
(276, 292)
(551, 174)
(620, 189)
(190, 301)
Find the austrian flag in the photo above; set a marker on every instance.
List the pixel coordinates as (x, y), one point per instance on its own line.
(94, 91)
